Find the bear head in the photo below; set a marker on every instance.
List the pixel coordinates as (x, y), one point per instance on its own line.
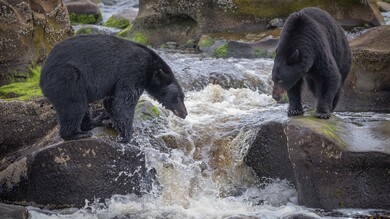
(168, 92)
(287, 71)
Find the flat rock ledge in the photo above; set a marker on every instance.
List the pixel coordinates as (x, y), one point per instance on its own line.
(332, 163)
(55, 174)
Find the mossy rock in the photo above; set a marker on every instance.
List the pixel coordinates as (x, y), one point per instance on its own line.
(330, 128)
(147, 111)
(117, 22)
(23, 90)
(85, 18)
(136, 36)
(205, 42)
(221, 51)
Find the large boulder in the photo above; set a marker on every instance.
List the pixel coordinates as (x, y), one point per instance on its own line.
(28, 31)
(163, 21)
(333, 163)
(23, 123)
(54, 173)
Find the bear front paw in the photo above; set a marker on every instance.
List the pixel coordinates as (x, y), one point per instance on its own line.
(322, 115)
(122, 139)
(295, 112)
(77, 136)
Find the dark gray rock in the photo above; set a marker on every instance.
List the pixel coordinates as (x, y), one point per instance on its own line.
(333, 163)
(23, 123)
(65, 174)
(13, 212)
(267, 157)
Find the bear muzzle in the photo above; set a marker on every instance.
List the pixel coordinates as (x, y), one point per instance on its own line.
(277, 92)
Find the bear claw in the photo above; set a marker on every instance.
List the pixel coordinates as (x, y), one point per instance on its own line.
(78, 135)
(121, 139)
(322, 115)
(295, 112)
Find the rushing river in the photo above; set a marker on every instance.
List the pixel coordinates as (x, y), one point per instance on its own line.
(227, 100)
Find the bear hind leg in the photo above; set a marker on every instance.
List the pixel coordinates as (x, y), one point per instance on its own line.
(70, 119)
(328, 93)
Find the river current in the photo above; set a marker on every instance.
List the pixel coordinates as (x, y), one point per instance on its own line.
(227, 100)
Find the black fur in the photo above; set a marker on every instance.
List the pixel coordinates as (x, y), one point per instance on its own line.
(87, 68)
(314, 48)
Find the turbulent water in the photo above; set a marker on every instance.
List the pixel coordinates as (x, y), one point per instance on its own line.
(227, 100)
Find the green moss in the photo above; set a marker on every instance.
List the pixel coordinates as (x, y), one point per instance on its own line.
(259, 53)
(139, 38)
(273, 9)
(83, 30)
(327, 128)
(116, 22)
(206, 42)
(164, 46)
(284, 98)
(339, 195)
(84, 18)
(221, 51)
(146, 110)
(123, 33)
(23, 90)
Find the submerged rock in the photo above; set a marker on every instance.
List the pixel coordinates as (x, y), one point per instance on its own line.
(13, 212)
(333, 163)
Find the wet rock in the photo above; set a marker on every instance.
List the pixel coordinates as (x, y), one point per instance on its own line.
(23, 123)
(13, 212)
(58, 174)
(275, 23)
(267, 157)
(162, 21)
(54, 173)
(383, 6)
(28, 31)
(95, 29)
(335, 163)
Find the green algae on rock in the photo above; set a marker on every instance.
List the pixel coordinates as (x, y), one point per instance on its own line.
(117, 22)
(23, 90)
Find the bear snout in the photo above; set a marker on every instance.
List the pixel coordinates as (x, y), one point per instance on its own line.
(181, 111)
(277, 92)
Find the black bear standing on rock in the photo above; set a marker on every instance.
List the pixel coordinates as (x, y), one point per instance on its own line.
(87, 68)
(313, 47)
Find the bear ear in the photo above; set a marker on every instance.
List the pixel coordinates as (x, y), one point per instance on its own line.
(294, 58)
(161, 77)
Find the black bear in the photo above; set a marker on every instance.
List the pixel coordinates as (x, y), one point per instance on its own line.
(87, 68)
(314, 48)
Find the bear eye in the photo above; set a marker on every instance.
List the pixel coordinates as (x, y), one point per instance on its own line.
(279, 81)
